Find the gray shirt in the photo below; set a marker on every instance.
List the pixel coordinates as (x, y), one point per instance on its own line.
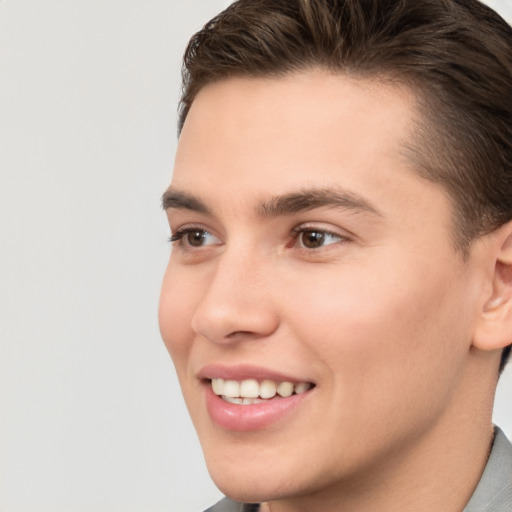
(494, 491)
(492, 494)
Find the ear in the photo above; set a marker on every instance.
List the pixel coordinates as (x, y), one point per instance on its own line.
(494, 326)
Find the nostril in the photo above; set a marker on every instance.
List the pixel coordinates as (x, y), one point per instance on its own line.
(244, 334)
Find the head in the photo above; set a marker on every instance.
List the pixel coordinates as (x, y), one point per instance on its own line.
(357, 236)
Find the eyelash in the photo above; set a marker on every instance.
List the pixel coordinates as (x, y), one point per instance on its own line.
(182, 232)
(177, 238)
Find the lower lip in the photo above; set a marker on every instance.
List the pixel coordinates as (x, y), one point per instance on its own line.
(257, 416)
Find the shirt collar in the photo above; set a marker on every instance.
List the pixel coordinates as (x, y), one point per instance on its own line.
(494, 491)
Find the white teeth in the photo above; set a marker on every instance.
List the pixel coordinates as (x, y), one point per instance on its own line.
(268, 389)
(231, 388)
(249, 401)
(301, 387)
(218, 386)
(249, 391)
(233, 400)
(285, 389)
(249, 388)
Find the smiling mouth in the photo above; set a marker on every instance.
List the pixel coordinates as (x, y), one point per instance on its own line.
(250, 391)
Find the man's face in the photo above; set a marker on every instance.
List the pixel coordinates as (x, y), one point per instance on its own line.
(309, 252)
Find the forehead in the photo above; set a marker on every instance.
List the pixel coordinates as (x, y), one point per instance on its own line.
(308, 118)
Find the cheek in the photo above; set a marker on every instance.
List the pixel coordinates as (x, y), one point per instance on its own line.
(175, 312)
(384, 335)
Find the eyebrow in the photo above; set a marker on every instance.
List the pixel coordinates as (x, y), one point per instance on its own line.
(309, 199)
(287, 204)
(174, 199)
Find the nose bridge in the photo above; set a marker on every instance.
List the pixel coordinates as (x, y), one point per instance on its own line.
(237, 303)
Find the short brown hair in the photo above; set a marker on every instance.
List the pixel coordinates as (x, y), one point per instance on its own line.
(455, 54)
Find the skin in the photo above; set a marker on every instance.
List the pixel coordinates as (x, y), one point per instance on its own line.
(384, 317)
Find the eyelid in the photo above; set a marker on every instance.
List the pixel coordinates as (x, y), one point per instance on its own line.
(187, 227)
(319, 226)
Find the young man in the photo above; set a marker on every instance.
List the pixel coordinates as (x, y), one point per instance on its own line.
(338, 301)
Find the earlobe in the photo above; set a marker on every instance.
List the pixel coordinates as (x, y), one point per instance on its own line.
(494, 328)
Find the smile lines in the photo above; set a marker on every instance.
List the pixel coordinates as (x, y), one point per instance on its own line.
(250, 391)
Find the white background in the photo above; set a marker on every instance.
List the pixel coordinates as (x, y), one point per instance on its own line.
(91, 414)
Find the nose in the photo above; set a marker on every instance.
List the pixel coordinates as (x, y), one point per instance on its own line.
(236, 305)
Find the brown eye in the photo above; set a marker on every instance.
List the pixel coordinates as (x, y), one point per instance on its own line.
(309, 238)
(312, 239)
(196, 238)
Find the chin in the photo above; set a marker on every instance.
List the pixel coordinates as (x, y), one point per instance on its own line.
(249, 488)
(248, 481)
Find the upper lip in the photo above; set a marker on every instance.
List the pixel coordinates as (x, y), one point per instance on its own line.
(245, 371)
